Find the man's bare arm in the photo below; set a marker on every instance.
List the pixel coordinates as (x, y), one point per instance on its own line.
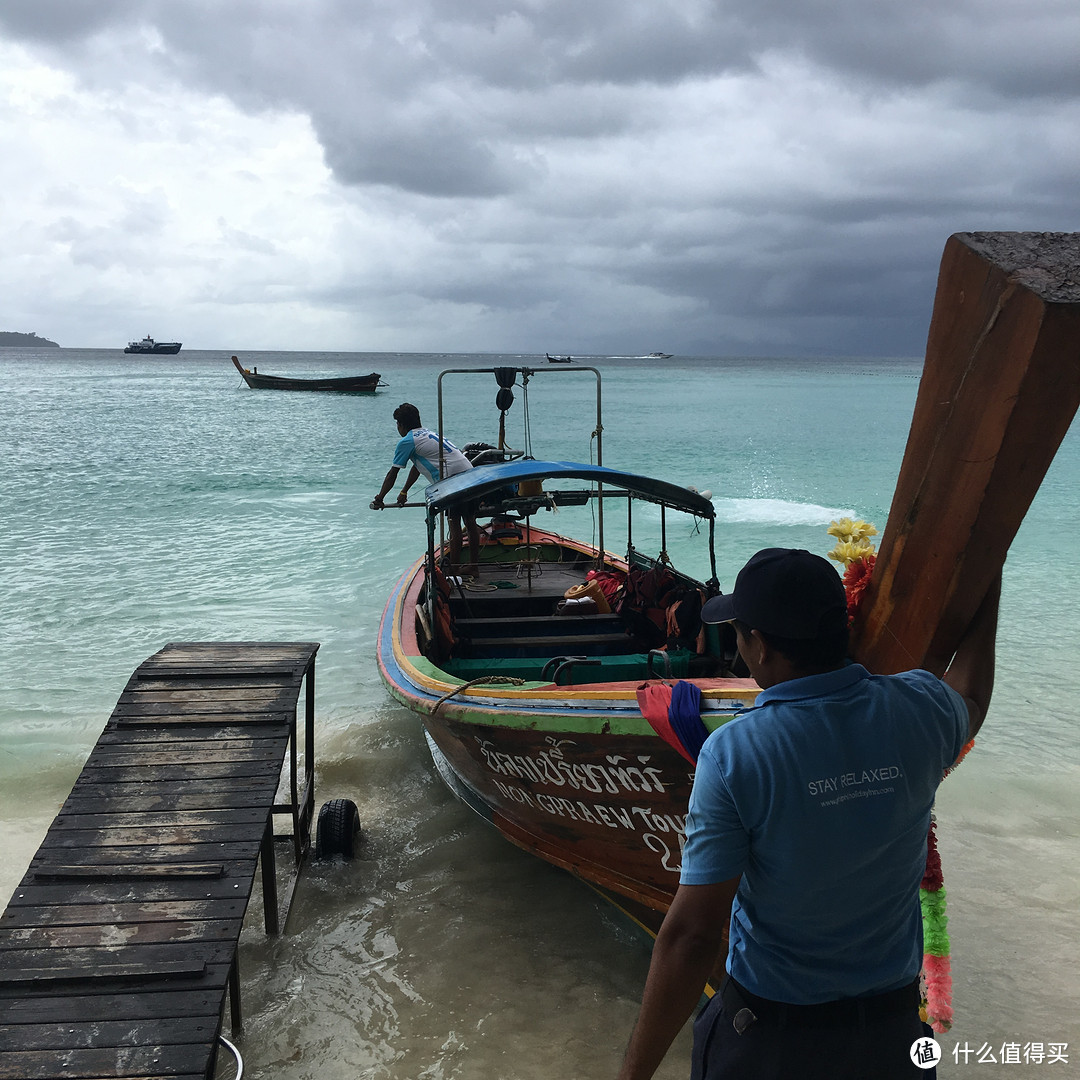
(971, 672)
(387, 484)
(403, 495)
(685, 955)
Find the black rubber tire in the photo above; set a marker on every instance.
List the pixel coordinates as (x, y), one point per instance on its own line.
(338, 829)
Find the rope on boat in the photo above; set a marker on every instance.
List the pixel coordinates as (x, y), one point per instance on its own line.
(490, 680)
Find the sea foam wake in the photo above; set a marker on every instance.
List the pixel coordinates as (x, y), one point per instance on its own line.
(775, 512)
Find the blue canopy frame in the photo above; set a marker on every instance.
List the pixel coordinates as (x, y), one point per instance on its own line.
(459, 493)
(466, 487)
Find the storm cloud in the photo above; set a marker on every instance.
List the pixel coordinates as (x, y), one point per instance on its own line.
(702, 177)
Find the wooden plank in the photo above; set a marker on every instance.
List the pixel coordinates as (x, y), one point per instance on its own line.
(167, 1031)
(123, 892)
(74, 853)
(66, 937)
(1000, 387)
(210, 671)
(199, 718)
(163, 958)
(170, 737)
(22, 971)
(104, 782)
(176, 819)
(124, 994)
(114, 914)
(94, 774)
(130, 1062)
(186, 836)
(94, 800)
(252, 651)
(111, 757)
(556, 642)
(91, 1008)
(222, 684)
(126, 871)
(171, 693)
(538, 620)
(231, 710)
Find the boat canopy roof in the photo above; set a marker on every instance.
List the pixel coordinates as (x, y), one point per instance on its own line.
(451, 493)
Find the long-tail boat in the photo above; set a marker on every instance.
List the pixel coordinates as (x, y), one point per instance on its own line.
(345, 384)
(564, 688)
(526, 677)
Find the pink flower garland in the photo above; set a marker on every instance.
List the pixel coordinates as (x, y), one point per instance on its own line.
(936, 976)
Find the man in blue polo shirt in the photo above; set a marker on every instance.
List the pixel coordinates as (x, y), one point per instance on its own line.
(807, 834)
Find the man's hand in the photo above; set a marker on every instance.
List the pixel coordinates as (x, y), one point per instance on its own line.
(377, 503)
(403, 497)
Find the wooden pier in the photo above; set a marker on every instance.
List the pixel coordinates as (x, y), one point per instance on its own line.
(118, 946)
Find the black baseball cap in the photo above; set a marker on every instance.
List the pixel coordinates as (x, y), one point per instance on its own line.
(784, 591)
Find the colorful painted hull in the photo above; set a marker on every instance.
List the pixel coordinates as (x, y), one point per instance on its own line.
(574, 774)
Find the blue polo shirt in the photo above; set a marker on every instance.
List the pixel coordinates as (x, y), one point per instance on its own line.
(820, 797)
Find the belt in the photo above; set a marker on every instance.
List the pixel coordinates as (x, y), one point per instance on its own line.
(745, 1008)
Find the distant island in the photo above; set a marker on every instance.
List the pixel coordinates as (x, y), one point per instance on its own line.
(26, 341)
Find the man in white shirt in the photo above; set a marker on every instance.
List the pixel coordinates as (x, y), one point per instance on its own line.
(426, 451)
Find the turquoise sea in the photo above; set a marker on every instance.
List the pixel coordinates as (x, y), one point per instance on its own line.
(155, 499)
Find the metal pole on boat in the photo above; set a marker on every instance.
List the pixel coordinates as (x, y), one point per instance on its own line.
(712, 549)
(429, 573)
(599, 433)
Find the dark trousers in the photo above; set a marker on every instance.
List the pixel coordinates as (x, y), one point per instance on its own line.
(860, 1039)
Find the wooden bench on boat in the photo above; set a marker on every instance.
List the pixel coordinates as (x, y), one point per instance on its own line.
(529, 635)
(118, 946)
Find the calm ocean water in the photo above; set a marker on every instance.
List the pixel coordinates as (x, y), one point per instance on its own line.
(148, 500)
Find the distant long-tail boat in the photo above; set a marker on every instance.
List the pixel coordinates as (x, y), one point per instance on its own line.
(346, 384)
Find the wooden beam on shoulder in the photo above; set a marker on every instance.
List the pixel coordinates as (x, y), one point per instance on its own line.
(1000, 387)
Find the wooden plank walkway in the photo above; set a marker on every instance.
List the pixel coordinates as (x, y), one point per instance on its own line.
(118, 946)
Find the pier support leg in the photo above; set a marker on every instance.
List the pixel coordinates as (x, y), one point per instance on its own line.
(269, 879)
(236, 1018)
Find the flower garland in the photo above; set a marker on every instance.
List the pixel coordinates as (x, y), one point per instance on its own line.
(856, 552)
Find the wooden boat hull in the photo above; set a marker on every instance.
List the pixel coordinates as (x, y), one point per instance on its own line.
(573, 774)
(348, 384)
(356, 384)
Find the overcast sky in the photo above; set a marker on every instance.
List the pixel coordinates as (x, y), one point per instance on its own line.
(583, 176)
